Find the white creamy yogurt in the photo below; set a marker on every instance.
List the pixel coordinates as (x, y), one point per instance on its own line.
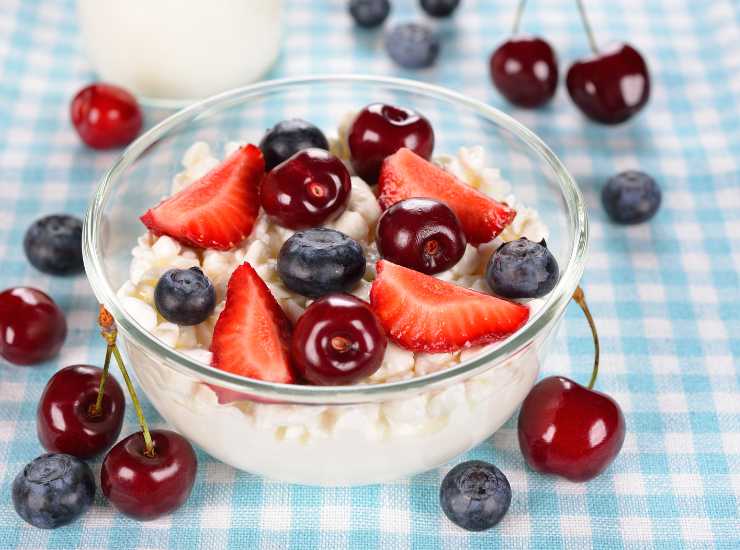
(338, 444)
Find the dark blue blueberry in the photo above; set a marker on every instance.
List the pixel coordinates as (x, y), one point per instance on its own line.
(475, 495)
(53, 490)
(288, 137)
(369, 13)
(184, 296)
(318, 261)
(439, 8)
(631, 197)
(412, 45)
(522, 269)
(53, 244)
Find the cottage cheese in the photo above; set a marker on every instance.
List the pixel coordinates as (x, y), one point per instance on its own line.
(337, 444)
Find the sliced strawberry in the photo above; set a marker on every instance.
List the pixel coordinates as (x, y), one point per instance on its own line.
(422, 313)
(218, 210)
(405, 175)
(252, 334)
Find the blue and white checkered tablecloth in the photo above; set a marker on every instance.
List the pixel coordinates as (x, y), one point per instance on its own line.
(665, 294)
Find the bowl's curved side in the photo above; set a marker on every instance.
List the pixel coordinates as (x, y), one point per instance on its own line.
(542, 322)
(336, 445)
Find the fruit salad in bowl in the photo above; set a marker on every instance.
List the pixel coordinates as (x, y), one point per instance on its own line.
(336, 280)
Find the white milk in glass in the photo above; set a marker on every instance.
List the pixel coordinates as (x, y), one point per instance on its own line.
(180, 49)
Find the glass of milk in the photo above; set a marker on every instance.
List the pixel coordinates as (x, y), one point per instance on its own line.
(180, 50)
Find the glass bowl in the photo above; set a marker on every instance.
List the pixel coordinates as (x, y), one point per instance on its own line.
(347, 435)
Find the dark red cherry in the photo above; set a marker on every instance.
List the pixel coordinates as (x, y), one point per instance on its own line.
(380, 130)
(66, 421)
(144, 487)
(569, 430)
(338, 340)
(612, 86)
(421, 234)
(105, 116)
(32, 327)
(307, 189)
(525, 70)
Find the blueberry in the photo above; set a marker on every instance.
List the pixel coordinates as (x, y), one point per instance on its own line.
(53, 490)
(412, 45)
(185, 296)
(288, 137)
(53, 244)
(318, 261)
(522, 269)
(475, 495)
(439, 8)
(631, 197)
(369, 13)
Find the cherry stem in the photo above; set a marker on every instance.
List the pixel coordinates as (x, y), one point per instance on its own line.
(587, 27)
(148, 443)
(580, 298)
(110, 333)
(518, 16)
(97, 408)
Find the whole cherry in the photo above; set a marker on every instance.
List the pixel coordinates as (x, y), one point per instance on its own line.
(524, 68)
(338, 340)
(146, 484)
(567, 429)
(422, 234)
(149, 473)
(379, 130)
(611, 86)
(74, 417)
(32, 327)
(105, 116)
(307, 189)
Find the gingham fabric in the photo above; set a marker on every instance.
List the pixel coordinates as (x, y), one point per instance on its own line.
(665, 294)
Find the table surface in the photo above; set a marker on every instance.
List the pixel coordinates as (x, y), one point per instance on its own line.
(665, 294)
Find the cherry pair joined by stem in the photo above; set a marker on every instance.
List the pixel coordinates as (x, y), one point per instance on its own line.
(147, 474)
(609, 87)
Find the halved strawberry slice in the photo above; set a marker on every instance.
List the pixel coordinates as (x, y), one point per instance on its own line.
(405, 175)
(424, 314)
(252, 334)
(218, 210)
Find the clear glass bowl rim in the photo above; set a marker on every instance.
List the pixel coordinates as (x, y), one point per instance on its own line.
(553, 308)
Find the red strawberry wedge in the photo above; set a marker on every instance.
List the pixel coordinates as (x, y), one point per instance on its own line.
(252, 334)
(424, 314)
(218, 210)
(405, 175)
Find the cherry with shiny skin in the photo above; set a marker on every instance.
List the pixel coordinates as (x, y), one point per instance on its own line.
(105, 116)
(32, 327)
(421, 234)
(611, 86)
(66, 420)
(567, 429)
(525, 70)
(379, 130)
(146, 487)
(307, 189)
(338, 340)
